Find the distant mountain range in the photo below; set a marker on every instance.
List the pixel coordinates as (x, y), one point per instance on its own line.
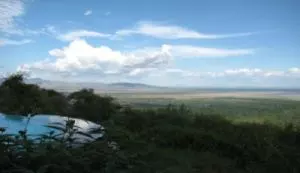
(72, 86)
(135, 87)
(131, 85)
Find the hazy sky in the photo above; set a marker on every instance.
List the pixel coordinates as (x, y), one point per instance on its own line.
(164, 42)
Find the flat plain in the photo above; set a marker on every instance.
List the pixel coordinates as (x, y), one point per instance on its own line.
(260, 106)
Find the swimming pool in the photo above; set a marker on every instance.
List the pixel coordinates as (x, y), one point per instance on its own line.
(36, 126)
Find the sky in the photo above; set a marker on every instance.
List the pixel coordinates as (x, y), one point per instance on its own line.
(204, 43)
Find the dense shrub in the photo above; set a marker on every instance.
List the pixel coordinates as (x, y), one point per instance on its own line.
(250, 147)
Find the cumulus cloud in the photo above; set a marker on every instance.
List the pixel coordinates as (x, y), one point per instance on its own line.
(107, 13)
(5, 42)
(73, 35)
(80, 57)
(9, 10)
(173, 32)
(80, 60)
(88, 12)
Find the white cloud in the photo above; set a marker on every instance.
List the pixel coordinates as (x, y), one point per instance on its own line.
(173, 32)
(240, 77)
(276, 73)
(88, 12)
(9, 10)
(80, 60)
(73, 35)
(5, 42)
(81, 57)
(29, 32)
(294, 70)
(53, 31)
(240, 72)
(188, 51)
(256, 72)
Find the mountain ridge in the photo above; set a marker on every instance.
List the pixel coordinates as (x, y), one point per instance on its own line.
(132, 86)
(63, 85)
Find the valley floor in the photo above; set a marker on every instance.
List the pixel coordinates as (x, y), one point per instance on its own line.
(187, 95)
(251, 106)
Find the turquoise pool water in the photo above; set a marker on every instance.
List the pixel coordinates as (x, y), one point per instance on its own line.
(36, 126)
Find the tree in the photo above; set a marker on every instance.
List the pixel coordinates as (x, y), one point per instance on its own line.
(17, 97)
(86, 104)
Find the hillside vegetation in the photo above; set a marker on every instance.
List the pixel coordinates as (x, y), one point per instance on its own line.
(166, 139)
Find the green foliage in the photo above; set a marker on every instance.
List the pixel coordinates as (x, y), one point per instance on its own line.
(167, 139)
(245, 147)
(86, 104)
(51, 153)
(55, 102)
(17, 97)
(258, 110)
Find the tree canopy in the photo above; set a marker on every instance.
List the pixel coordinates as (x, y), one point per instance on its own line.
(85, 103)
(18, 97)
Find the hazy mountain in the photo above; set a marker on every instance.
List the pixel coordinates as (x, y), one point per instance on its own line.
(37, 81)
(72, 86)
(131, 85)
(134, 87)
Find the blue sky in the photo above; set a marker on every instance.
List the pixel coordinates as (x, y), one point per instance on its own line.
(179, 43)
